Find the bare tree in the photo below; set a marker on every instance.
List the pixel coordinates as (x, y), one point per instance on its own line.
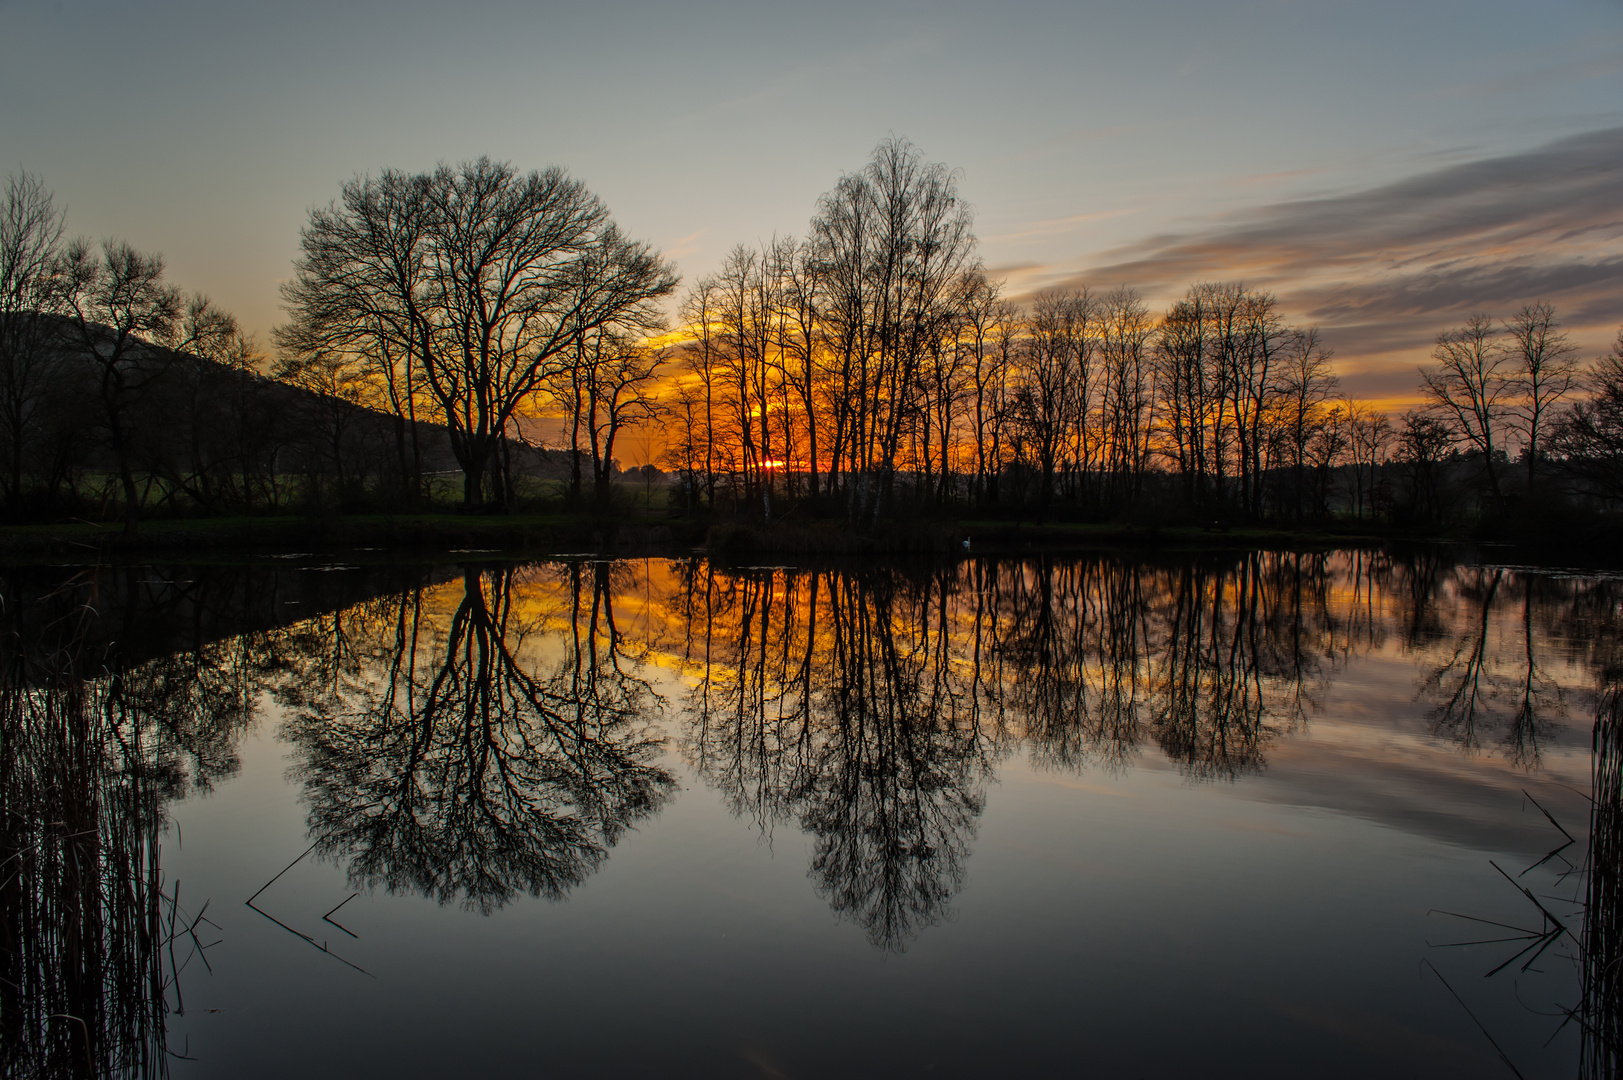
(518, 269)
(1305, 383)
(1127, 394)
(1332, 438)
(1423, 443)
(1055, 385)
(479, 278)
(1182, 390)
(1546, 371)
(700, 315)
(123, 313)
(30, 295)
(1214, 354)
(1468, 387)
(211, 406)
(610, 386)
(948, 384)
(686, 444)
(1369, 432)
(800, 344)
(1252, 344)
(748, 301)
(893, 241)
(1588, 440)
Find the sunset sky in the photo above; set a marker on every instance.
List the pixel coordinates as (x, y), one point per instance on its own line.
(1386, 167)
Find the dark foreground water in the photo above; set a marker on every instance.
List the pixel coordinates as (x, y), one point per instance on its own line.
(1217, 816)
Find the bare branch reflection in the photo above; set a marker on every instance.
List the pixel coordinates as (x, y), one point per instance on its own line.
(836, 700)
(1492, 675)
(868, 707)
(459, 760)
(1208, 660)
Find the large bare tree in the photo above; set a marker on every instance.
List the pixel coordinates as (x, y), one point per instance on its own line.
(892, 242)
(479, 280)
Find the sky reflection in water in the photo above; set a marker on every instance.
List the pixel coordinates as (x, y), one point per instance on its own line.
(1093, 815)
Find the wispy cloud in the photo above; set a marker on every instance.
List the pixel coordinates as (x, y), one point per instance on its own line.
(1383, 270)
(685, 245)
(1264, 179)
(1053, 226)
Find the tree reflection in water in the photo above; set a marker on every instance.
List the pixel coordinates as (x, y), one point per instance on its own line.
(1208, 660)
(869, 706)
(836, 700)
(496, 735)
(445, 756)
(1492, 675)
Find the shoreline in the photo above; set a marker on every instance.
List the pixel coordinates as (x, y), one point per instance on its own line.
(390, 537)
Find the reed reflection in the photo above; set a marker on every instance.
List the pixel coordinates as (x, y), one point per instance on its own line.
(92, 938)
(1600, 1010)
(476, 754)
(1573, 913)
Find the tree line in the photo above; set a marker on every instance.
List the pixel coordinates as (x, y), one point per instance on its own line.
(876, 360)
(122, 395)
(493, 324)
(88, 335)
(428, 314)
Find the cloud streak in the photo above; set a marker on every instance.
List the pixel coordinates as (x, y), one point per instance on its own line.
(1383, 270)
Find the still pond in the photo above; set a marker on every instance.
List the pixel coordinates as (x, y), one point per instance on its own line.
(1246, 814)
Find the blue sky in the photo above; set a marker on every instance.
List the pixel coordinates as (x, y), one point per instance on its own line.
(1351, 156)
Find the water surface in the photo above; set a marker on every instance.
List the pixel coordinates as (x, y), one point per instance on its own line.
(1096, 816)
